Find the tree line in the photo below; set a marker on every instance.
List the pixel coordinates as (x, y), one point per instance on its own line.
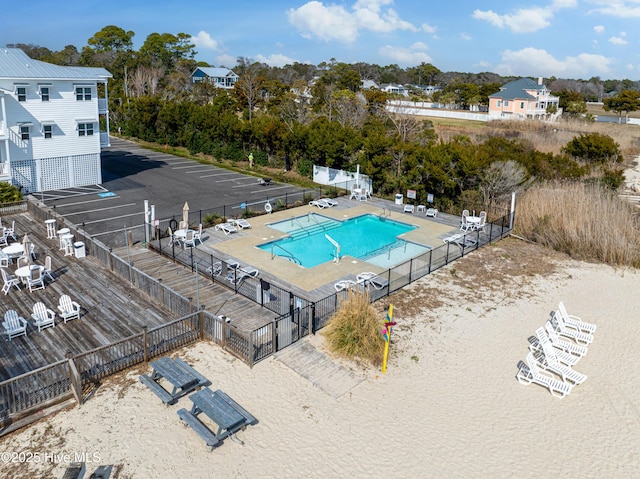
(299, 115)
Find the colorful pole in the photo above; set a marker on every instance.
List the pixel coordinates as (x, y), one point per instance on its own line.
(386, 333)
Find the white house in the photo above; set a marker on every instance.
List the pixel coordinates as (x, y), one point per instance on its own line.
(220, 77)
(53, 122)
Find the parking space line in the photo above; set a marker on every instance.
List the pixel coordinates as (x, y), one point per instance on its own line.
(101, 209)
(88, 201)
(230, 179)
(248, 185)
(218, 174)
(198, 171)
(103, 220)
(191, 165)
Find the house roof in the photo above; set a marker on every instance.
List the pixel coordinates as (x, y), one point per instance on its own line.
(518, 90)
(215, 72)
(17, 65)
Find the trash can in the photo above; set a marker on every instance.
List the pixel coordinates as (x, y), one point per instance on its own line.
(79, 250)
(398, 199)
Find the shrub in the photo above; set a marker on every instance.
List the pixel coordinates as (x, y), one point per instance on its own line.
(9, 193)
(594, 147)
(211, 218)
(354, 330)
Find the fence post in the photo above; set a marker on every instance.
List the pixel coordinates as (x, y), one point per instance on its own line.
(430, 260)
(74, 379)
(251, 352)
(201, 319)
(145, 349)
(313, 317)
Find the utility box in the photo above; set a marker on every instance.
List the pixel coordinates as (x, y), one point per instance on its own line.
(399, 199)
(79, 249)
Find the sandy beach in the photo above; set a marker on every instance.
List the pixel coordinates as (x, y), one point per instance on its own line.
(449, 405)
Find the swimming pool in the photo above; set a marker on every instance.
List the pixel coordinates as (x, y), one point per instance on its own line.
(369, 238)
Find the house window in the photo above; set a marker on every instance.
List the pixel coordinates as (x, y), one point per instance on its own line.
(83, 93)
(47, 131)
(499, 103)
(24, 133)
(44, 93)
(21, 92)
(522, 105)
(85, 129)
(506, 103)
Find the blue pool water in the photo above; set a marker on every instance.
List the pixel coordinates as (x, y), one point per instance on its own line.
(365, 237)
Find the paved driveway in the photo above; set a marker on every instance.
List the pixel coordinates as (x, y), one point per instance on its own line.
(132, 174)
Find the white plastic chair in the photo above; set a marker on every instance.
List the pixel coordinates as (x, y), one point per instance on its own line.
(9, 280)
(11, 231)
(197, 236)
(35, 280)
(48, 269)
(43, 316)
(189, 239)
(574, 321)
(68, 308)
(14, 324)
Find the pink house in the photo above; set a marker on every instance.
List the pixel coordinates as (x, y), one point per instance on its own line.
(521, 99)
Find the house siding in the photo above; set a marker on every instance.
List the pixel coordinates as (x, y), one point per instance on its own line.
(66, 159)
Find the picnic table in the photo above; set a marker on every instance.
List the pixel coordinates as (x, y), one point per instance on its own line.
(182, 377)
(227, 414)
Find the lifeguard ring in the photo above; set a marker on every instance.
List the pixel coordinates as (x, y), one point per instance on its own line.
(268, 208)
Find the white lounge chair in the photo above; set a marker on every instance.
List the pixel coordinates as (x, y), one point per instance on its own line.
(551, 364)
(409, 209)
(461, 239)
(43, 316)
(563, 330)
(574, 321)
(331, 202)
(372, 279)
(68, 308)
(9, 280)
(14, 324)
(239, 274)
(531, 373)
(344, 284)
(241, 223)
(433, 212)
(319, 203)
(227, 228)
(543, 345)
(560, 343)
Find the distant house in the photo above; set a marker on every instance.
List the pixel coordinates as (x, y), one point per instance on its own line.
(393, 88)
(220, 77)
(50, 123)
(367, 84)
(520, 99)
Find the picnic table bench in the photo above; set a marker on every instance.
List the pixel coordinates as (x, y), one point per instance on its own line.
(227, 414)
(178, 373)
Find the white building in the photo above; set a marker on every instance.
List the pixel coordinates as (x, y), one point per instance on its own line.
(53, 122)
(220, 77)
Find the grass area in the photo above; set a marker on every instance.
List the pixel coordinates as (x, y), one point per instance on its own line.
(583, 220)
(353, 331)
(599, 111)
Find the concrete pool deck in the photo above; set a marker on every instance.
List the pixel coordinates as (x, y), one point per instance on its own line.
(242, 246)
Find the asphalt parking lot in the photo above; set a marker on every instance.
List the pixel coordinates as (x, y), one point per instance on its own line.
(132, 174)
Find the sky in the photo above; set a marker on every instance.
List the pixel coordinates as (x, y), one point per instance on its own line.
(577, 39)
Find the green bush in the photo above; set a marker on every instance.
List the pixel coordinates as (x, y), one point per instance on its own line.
(594, 148)
(9, 193)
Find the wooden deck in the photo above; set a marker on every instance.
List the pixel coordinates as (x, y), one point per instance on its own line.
(111, 308)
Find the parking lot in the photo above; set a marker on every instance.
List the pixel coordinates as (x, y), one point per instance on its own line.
(132, 174)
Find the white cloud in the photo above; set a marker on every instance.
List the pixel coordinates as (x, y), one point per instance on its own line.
(618, 41)
(204, 40)
(535, 62)
(524, 20)
(621, 8)
(334, 22)
(598, 29)
(275, 60)
(428, 28)
(227, 60)
(404, 56)
(465, 36)
(418, 46)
